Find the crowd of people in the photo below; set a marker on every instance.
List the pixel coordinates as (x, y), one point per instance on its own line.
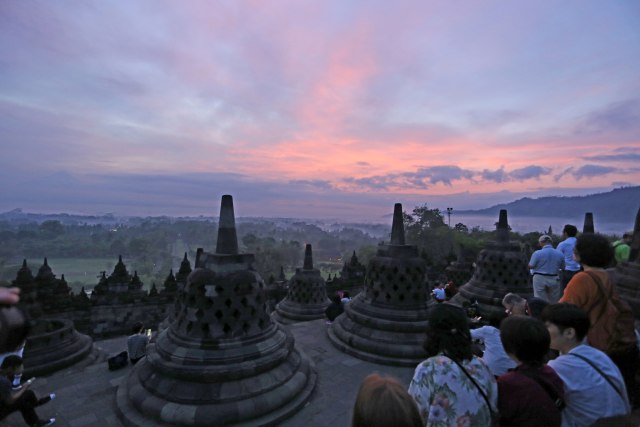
(565, 361)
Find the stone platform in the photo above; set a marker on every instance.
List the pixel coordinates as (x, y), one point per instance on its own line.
(86, 396)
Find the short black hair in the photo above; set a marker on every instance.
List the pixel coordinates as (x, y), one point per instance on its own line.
(536, 305)
(565, 315)
(137, 327)
(571, 230)
(594, 250)
(11, 361)
(448, 332)
(526, 338)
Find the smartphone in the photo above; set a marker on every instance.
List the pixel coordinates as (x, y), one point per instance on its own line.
(148, 332)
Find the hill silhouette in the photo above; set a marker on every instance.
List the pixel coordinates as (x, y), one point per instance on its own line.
(618, 205)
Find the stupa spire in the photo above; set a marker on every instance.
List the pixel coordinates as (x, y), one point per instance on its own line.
(227, 239)
(397, 229)
(502, 228)
(588, 223)
(308, 258)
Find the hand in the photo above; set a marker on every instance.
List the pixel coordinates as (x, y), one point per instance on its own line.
(9, 295)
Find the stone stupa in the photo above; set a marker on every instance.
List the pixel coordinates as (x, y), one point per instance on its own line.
(501, 267)
(386, 323)
(52, 343)
(222, 361)
(307, 295)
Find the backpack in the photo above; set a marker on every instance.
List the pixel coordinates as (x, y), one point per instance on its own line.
(619, 317)
(118, 361)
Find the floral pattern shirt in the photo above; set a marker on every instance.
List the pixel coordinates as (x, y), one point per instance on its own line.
(447, 397)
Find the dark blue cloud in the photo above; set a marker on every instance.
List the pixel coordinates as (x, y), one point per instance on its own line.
(528, 172)
(618, 117)
(589, 171)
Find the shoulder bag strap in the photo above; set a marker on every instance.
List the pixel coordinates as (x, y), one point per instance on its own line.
(553, 393)
(484, 395)
(601, 373)
(600, 286)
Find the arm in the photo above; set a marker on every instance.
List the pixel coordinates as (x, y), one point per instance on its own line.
(15, 395)
(420, 389)
(533, 261)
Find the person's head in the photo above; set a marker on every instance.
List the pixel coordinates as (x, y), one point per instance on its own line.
(336, 299)
(514, 304)
(593, 250)
(570, 230)
(137, 328)
(525, 339)
(448, 332)
(567, 325)
(345, 294)
(384, 402)
(12, 365)
(544, 240)
(627, 237)
(535, 306)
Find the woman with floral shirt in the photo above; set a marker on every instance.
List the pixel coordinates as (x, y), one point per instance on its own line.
(445, 394)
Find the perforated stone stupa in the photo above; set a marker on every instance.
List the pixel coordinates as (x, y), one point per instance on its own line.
(626, 275)
(501, 267)
(222, 361)
(52, 343)
(307, 295)
(386, 322)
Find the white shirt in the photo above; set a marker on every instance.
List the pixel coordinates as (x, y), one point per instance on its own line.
(439, 293)
(587, 394)
(494, 355)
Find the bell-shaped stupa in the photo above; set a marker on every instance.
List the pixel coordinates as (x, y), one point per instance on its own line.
(386, 322)
(222, 361)
(307, 295)
(501, 267)
(52, 343)
(626, 275)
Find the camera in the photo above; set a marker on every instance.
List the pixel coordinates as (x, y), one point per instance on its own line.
(14, 327)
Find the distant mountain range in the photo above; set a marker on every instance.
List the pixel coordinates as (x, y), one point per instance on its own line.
(619, 205)
(616, 206)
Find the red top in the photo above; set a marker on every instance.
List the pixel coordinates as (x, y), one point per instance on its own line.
(525, 403)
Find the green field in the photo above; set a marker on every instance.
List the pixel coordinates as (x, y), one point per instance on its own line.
(79, 270)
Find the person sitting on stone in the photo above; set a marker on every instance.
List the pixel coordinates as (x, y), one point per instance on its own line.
(346, 298)
(450, 290)
(334, 309)
(439, 293)
(452, 387)
(494, 355)
(23, 400)
(137, 343)
(383, 402)
(532, 394)
(514, 304)
(594, 386)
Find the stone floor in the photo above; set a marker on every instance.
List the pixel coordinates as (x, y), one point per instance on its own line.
(86, 396)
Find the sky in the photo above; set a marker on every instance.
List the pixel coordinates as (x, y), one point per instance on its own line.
(314, 109)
